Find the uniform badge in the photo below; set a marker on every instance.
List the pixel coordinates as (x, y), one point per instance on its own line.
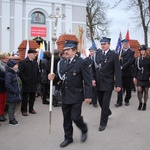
(74, 73)
(105, 60)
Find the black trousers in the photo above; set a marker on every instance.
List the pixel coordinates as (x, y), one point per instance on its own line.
(104, 101)
(44, 92)
(94, 96)
(72, 112)
(27, 98)
(127, 85)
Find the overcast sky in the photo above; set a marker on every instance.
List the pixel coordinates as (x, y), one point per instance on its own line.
(121, 21)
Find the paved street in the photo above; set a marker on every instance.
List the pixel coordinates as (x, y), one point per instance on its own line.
(128, 129)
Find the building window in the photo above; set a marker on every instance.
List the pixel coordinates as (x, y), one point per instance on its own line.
(38, 18)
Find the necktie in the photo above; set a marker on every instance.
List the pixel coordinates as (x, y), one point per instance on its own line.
(68, 62)
(103, 54)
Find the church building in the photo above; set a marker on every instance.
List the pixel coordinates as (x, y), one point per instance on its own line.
(26, 19)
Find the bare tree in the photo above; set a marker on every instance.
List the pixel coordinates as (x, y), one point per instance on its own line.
(141, 14)
(97, 22)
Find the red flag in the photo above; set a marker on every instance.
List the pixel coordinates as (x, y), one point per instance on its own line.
(127, 35)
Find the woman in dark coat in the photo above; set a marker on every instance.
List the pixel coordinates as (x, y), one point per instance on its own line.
(3, 60)
(142, 76)
(13, 90)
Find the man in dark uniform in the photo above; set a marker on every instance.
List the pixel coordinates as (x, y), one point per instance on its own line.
(90, 62)
(126, 57)
(76, 86)
(107, 77)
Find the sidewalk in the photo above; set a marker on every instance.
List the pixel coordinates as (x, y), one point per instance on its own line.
(128, 129)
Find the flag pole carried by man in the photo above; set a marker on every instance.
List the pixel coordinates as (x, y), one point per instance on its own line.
(54, 38)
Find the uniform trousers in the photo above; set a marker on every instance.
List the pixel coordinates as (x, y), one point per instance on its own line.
(127, 85)
(72, 112)
(27, 98)
(104, 101)
(94, 97)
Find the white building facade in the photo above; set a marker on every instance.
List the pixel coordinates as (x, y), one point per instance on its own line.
(26, 19)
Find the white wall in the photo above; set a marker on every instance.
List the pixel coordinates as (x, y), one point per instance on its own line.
(19, 19)
(5, 40)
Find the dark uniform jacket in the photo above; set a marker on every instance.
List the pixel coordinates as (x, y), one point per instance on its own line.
(77, 81)
(126, 61)
(90, 62)
(12, 85)
(142, 69)
(105, 68)
(29, 75)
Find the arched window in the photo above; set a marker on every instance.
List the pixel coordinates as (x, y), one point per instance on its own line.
(38, 18)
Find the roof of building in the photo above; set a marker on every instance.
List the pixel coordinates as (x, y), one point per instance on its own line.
(134, 45)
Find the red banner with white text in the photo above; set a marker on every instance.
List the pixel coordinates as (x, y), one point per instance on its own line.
(38, 31)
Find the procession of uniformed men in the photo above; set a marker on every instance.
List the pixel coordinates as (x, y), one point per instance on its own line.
(96, 76)
(79, 80)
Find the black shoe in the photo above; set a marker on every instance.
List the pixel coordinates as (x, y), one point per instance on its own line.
(57, 105)
(118, 105)
(46, 102)
(127, 104)
(91, 103)
(32, 111)
(102, 128)
(13, 123)
(140, 106)
(95, 105)
(65, 143)
(84, 137)
(2, 118)
(144, 107)
(110, 113)
(24, 113)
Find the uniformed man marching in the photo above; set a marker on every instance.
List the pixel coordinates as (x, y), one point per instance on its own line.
(107, 68)
(126, 57)
(90, 61)
(76, 87)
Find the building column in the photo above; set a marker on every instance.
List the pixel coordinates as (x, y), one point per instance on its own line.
(23, 19)
(0, 25)
(12, 26)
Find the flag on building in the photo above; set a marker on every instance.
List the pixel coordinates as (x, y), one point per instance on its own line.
(27, 48)
(119, 44)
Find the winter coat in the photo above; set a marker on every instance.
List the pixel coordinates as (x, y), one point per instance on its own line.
(13, 90)
(29, 75)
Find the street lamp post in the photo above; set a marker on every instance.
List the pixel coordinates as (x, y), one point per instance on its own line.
(54, 38)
